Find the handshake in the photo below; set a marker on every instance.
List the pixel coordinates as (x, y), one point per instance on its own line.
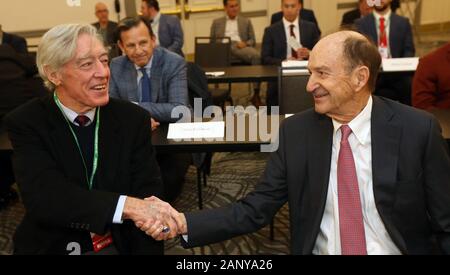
(155, 217)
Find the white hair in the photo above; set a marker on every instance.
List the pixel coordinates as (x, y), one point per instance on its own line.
(58, 46)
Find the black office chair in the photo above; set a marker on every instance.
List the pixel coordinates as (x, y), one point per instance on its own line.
(215, 53)
(292, 95)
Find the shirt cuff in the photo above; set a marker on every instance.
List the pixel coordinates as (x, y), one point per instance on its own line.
(119, 210)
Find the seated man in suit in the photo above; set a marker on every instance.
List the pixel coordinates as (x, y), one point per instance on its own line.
(17, 86)
(155, 79)
(276, 47)
(242, 34)
(166, 28)
(104, 26)
(349, 18)
(431, 85)
(393, 35)
(362, 174)
(83, 161)
(305, 14)
(19, 44)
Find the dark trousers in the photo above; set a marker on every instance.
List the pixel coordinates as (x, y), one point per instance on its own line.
(272, 94)
(395, 86)
(6, 173)
(173, 170)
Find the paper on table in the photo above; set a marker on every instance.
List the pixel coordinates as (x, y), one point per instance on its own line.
(293, 43)
(400, 64)
(295, 63)
(197, 130)
(215, 74)
(288, 115)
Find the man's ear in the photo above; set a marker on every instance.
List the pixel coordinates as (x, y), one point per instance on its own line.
(53, 75)
(360, 77)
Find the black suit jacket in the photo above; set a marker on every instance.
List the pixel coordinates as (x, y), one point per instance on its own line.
(17, 84)
(411, 181)
(274, 45)
(400, 34)
(51, 178)
(305, 14)
(18, 43)
(349, 18)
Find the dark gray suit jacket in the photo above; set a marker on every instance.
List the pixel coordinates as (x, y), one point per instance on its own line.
(275, 42)
(168, 81)
(17, 42)
(245, 27)
(411, 181)
(111, 29)
(171, 34)
(401, 39)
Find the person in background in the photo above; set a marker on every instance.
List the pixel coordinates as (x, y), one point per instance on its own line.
(166, 28)
(349, 18)
(18, 43)
(431, 85)
(305, 14)
(243, 40)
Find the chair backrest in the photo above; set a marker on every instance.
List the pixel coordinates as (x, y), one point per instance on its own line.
(212, 52)
(292, 95)
(198, 86)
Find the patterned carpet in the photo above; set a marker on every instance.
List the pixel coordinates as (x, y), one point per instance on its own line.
(233, 175)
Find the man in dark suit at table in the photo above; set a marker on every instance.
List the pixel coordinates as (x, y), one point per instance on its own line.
(393, 35)
(349, 18)
(18, 43)
(275, 46)
(167, 28)
(362, 174)
(431, 86)
(305, 14)
(83, 162)
(155, 79)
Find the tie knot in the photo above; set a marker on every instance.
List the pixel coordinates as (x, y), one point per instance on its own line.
(345, 131)
(382, 20)
(292, 26)
(143, 70)
(82, 120)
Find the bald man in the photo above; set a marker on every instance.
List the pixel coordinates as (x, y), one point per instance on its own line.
(104, 26)
(362, 174)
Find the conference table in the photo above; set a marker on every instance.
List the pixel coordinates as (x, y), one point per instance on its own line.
(242, 74)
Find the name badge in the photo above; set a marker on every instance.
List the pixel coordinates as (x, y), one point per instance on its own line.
(384, 52)
(101, 242)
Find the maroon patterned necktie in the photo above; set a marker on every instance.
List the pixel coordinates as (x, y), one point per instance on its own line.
(294, 52)
(351, 225)
(82, 120)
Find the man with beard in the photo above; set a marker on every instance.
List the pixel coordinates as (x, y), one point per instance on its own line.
(393, 36)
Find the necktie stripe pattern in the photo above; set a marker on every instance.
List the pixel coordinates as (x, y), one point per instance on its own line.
(146, 92)
(82, 120)
(351, 225)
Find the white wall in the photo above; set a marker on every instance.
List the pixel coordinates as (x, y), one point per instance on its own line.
(26, 15)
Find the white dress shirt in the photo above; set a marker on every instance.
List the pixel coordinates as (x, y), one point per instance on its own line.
(287, 29)
(71, 116)
(377, 238)
(232, 29)
(155, 27)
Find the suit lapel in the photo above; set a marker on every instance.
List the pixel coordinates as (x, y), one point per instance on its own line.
(386, 136)
(109, 148)
(393, 44)
(64, 145)
(372, 27)
(320, 142)
(241, 29)
(221, 27)
(132, 87)
(280, 33)
(156, 74)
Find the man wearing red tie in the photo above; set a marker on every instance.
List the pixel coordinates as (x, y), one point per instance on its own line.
(393, 35)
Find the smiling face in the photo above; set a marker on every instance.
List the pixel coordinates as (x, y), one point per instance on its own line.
(137, 44)
(82, 83)
(336, 90)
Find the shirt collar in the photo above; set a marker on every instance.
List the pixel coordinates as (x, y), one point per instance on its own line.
(360, 125)
(147, 67)
(387, 16)
(287, 24)
(157, 18)
(72, 115)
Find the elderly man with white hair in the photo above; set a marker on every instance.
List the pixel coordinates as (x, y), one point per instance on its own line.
(83, 160)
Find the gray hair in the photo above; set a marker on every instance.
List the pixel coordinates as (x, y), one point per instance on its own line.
(58, 46)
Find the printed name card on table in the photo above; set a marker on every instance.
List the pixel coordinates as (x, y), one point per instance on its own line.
(400, 64)
(295, 67)
(215, 74)
(198, 130)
